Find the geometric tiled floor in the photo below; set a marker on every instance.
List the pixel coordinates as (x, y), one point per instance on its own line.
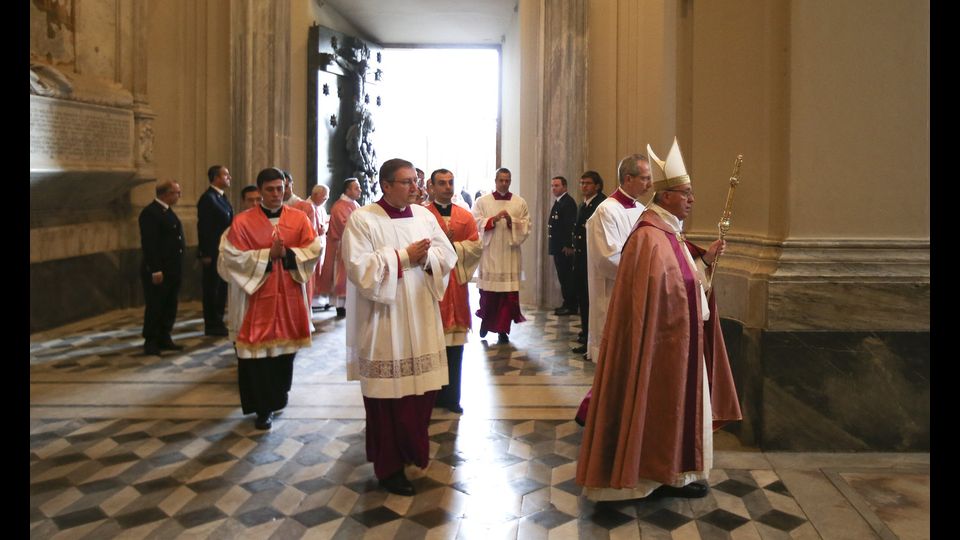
(124, 445)
(162, 478)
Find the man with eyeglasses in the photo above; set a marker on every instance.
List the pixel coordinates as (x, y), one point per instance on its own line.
(504, 224)
(663, 381)
(591, 189)
(607, 231)
(398, 261)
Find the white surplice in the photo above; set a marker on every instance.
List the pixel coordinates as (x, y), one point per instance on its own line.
(607, 232)
(500, 267)
(395, 341)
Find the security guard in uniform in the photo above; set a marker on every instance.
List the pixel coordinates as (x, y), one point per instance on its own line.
(591, 188)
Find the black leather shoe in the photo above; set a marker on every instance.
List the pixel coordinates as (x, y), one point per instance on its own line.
(397, 483)
(216, 332)
(454, 408)
(503, 337)
(582, 340)
(169, 345)
(483, 333)
(151, 349)
(341, 312)
(565, 311)
(689, 491)
(264, 421)
(579, 350)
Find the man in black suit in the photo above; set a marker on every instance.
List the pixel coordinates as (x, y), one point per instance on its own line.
(214, 214)
(563, 215)
(591, 187)
(161, 238)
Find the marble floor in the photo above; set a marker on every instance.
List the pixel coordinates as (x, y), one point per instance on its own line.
(130, 446)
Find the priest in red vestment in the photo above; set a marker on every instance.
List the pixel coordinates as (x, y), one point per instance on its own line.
(333, 277)
(663, 381)
(270, 253)
(459, 226)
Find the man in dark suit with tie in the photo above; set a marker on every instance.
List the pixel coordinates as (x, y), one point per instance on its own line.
(214, 215)
(591, 188)
(563, 215)
(161, 238)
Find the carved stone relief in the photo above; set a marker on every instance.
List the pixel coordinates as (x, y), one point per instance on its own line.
(84, 126)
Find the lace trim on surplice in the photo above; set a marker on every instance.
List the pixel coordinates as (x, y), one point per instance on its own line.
(395, 369)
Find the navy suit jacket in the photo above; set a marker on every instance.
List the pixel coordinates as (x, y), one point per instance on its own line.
(214, 214)
(563, 215)
(580, 230)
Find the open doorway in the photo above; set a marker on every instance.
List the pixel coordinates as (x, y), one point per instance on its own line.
(441, 110)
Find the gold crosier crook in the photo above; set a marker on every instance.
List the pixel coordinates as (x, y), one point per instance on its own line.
(724, 224)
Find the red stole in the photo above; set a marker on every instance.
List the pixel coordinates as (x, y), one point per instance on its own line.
(276, 313)
(455, 305)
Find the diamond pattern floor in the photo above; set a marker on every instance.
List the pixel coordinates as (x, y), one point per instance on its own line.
(494, 472)
(162, 478)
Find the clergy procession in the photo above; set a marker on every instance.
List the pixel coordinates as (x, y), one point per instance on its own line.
(397, 270)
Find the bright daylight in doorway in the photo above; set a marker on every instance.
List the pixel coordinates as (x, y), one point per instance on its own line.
(440, 111)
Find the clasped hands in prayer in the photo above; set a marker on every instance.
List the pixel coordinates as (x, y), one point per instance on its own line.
(277, 251)
(503, 214)
(417, 251)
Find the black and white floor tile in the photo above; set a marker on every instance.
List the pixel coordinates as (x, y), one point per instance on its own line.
(192, 466)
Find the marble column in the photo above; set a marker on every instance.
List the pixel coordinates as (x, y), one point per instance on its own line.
(260, 82)
(563, 123)
(143, 114)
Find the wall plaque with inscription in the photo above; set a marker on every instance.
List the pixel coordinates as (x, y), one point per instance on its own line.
(70, 135)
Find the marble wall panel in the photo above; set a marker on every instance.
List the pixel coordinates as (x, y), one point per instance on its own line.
(856, 306)
(836, 391)
(743, 352)
(67, 290)
(830, 391)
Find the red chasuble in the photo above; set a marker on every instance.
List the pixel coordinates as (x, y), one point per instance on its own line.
(645, 416)
(333, 277)
(455, 305)
(276, 314)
